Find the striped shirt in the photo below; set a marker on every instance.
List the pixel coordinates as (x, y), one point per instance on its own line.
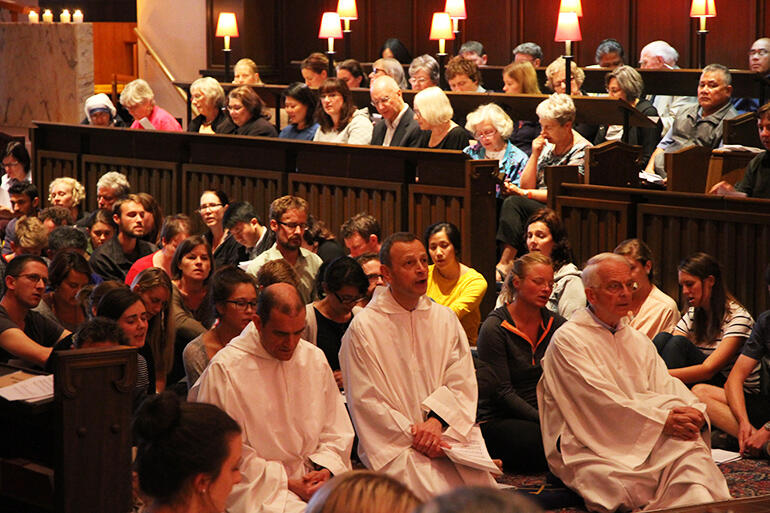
(737, 323)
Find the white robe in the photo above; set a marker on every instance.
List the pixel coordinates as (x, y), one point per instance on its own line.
(291, 413)
(604, 399)
(397, 366)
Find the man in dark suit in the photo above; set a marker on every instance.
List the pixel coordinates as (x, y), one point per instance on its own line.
(398, 126)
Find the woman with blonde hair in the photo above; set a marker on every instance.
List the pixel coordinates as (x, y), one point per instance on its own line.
(433, 113)
(68, 193)
(520, 78)
(154, 287)
(362, 491)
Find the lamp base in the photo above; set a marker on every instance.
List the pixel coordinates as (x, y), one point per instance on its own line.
(228, 77)
(347, 34)
(330, 56)
(702, 48)
(568, 74)
(441, 58)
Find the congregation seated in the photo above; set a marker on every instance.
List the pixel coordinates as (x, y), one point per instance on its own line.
(234, 297)
(512, 341)
(208, 98)
(351, 71)
(557, 145)
(341, 285)
(16, 164)
(101, 112)
(452, 283)
(699, 124)
(300, 103)
(154, 287)
(520, 78)
(434, 113)
(247, 110)
(25, 201)
(393, 48)
(68, 193)
(139, 100)
(113, 259)
(528, 52)
(661, 458)
(319, 239)
(708, 338)
(492, 127)
(244, 224)
(338, 118)
(188, 455)
(398, 126)
(756, 182)
(263, 378)
(463, 75)
(388, 66)
(625, 83)
(288, 221)
(363, 491)
(361, 234)
(175, 229)
(424, 72)
(245, 73)
(652, 311)
(473, 51)
(224, 247)
(314, 69)
(68, 273)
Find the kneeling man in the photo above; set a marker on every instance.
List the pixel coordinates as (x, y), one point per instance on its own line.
(617, 428)
(281, 390)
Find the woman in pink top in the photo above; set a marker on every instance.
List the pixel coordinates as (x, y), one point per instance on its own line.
(137, 97)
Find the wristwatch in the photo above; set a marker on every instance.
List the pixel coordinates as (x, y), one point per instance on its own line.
(767, 426)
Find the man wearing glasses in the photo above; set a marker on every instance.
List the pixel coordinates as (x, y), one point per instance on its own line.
(398, 126)
(24, 333)
(759, 63)
(288, 221)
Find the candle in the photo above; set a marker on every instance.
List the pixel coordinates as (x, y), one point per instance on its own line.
(65, 16)
(47, 16)
(77, 16)
(33, 17)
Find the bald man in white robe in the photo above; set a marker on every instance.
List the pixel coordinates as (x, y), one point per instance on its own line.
(617, 428)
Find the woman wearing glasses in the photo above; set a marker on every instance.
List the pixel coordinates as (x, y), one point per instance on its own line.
(234, 296)
(342, 285)
(224, 247)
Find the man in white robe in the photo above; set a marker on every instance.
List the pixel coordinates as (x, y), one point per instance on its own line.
(617, 428)
(409, 378)
(280, 389)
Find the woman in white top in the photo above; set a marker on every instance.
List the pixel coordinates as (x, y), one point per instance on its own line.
(339, 120)
(16, 163)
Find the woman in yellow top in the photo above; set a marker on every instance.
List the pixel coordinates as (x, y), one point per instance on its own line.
(451, 283)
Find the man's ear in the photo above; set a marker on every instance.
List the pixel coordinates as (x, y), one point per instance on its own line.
(36, 202)
(385, 272)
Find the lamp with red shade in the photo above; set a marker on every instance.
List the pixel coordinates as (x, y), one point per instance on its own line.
(702, 9)
(347, 11)
(456, 10)
(568, 30)
(331, 29)
(227, 27)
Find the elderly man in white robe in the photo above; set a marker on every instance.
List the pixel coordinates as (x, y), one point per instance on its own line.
(281, 390)
(409, 378)
(617, 428)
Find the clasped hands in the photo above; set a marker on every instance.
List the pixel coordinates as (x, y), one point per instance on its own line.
(309, 483)
(752, 441)
(684, 423)
(426, 438)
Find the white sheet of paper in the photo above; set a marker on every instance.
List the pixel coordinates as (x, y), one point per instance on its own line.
(472, 453)
(32, 389)
(722, 456)
(146, 124)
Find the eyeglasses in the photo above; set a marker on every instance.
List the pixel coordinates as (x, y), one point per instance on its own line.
(486, 135)
(376, 70)
(293, 226)
(380, 101)
(615, 287)
(346, 300)
(417, 80)
(373, 276)
(7, 165)
(210, 206)
(35, 278)
(759, 51)
(242, 305)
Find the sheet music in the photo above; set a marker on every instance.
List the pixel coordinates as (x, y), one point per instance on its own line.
(722, 456)
(32, 389)
(472, 453)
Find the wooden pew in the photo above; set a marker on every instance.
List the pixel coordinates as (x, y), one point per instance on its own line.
(742, 130)
(729, 166)
(83, 435)
(687, 169)
(613, 163)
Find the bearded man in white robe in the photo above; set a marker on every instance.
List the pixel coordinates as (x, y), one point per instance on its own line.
(617, 428)
(281, 390)
(409, 378)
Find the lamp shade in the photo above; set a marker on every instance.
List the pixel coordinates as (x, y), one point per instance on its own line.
(227, 25)
(703, 8)
(456, 9)
(347, 9)
(441, 26)
(330, 26)
(568, 28)
(571, 6)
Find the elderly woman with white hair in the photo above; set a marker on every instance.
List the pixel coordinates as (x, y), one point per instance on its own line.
(208, 98)
(137, 97)
(557, 145)
(424, 72)
(101, 112)
(68, 193)
(492, 127)
(433, 113)
(625, 83)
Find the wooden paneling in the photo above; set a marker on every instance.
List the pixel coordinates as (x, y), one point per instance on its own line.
(113, 51)
(54, 164)
(594, 225)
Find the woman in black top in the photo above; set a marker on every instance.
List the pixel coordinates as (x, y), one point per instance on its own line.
(511, 343)
(247, 110)
(433, 112)
(208, 97)
(342, 284)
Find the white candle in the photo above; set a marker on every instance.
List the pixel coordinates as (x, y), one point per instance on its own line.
(34, 17)
(47, 16)
(77, 16)
(65, 16)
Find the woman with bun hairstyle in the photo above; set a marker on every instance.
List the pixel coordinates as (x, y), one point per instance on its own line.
(187, 455)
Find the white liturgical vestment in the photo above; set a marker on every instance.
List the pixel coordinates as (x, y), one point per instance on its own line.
(603, 399)
(291, 413)
(397, 366)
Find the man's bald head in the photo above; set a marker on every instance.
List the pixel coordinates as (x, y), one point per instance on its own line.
(759, 56)
(386, 96)
(281, 296)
